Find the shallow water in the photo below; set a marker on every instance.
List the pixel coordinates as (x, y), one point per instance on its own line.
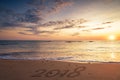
(78, 51)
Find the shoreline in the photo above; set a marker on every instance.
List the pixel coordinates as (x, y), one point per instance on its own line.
(85, 62)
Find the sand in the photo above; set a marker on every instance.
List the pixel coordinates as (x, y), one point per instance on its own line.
(57, 70)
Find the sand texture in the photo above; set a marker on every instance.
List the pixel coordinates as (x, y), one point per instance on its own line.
(57, 70)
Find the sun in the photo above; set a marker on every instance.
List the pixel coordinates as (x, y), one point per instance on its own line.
(112, 37)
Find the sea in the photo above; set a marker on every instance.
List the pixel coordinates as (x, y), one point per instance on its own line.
(76, 51)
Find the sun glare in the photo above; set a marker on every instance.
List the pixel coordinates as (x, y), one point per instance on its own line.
(112, 37)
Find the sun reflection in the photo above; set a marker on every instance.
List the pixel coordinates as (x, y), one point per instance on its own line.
(113, 55)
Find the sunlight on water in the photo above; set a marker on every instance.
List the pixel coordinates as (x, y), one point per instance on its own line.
(98, 51)
(113, 55)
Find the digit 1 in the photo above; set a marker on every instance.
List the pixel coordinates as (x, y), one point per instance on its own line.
(52, 73)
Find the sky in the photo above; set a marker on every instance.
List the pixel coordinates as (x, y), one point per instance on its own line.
(59, 19)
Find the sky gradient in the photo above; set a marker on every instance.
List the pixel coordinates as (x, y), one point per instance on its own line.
(59, 19)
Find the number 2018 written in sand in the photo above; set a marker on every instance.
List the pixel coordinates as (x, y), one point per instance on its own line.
(59, 73)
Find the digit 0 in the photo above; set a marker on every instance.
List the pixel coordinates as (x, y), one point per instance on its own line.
(63, 73)
(39, 73)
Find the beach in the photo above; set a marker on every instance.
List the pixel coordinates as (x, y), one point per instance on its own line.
(57, 70)
(59, 40)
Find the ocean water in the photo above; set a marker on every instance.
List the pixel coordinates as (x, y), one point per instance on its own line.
(77, 51)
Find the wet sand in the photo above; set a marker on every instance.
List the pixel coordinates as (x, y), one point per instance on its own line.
(57, 70)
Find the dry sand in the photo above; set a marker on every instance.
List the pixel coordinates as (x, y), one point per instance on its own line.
(57, 70)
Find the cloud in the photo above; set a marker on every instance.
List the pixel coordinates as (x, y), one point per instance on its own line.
(9, 25)
(59, 4)
(52, 23)
(7, 18)
(65, 24)
(42, 9)
(24, 33)
(81, 21)
(76, 34)
(109, 22)
(10, 19)
(34, 30)
(35, 14)
(56, 25)
(64, 27)
(82, 26)
(50, 6)
(99, 28)
(48, 32)
(86, 30)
